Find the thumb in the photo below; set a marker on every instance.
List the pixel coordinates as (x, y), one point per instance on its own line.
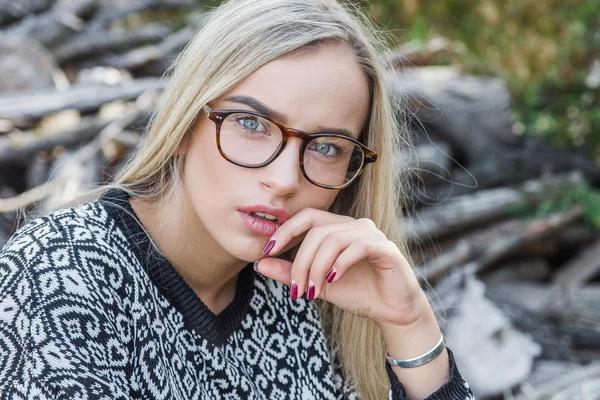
(275, 268)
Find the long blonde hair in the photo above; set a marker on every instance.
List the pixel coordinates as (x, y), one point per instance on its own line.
(235, 40)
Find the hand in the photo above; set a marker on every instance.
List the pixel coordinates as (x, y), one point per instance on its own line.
(350, 263)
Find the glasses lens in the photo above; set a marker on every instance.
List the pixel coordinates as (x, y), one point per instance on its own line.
(332, 161)
(249, 139)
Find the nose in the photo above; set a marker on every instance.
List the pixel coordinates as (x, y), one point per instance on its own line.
(283, 175)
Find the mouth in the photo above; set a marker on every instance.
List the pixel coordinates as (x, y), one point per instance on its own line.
(258, 224)
(265, 217)
(266, 212)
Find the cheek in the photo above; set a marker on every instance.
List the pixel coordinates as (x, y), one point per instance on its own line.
(205, 168)
(318, 198)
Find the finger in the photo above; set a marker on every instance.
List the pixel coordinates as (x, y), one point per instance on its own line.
(330, 248)
(290, 233)
(365, 248)
(313, 244)
(275, 268)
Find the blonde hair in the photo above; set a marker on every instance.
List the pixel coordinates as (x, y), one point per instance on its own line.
(234, 41)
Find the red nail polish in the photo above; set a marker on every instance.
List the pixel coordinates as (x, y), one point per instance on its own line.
(268, 247)
(310, 294)
(256, 266)
(293, 290)
(331, 275)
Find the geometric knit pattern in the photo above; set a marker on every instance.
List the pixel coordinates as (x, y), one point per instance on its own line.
(90, 310)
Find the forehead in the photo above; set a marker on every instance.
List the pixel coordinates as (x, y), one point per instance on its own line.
(321, 88)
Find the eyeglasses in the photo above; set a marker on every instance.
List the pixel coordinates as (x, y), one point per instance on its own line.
(251, 140)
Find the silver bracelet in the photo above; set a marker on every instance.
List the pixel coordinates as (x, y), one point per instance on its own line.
(420, 360)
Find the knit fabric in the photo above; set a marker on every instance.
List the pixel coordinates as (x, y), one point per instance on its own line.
(90, 310)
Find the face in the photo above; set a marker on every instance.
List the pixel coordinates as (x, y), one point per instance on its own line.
(325, 88)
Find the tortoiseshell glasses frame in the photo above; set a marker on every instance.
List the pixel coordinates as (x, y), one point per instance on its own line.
(218, 116)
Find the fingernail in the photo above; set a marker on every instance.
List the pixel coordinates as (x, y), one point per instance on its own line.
(269, 246)
(293, 290)
(331, 275)
(310, 294)
(256, 266)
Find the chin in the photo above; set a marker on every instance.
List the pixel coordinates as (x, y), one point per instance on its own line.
(247, 249)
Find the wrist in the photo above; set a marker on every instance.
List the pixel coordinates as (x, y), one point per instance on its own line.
(409, 341)
(416, 318)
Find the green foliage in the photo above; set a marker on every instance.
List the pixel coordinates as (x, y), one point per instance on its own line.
(543, 49)
(585, 195)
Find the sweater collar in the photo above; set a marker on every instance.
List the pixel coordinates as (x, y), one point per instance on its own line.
(169, 283)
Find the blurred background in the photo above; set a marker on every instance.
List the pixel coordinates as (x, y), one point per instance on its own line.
(546, 51)
(502, 201)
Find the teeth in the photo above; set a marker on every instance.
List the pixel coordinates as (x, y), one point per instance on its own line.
(263, 215)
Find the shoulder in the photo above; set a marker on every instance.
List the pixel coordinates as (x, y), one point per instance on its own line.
(70, 250)
(58, 231)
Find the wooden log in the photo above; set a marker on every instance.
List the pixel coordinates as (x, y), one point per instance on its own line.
(38, 170)
(92, 43)
(468, 111)
(83, 168)
(11, 11)
(509, 166)
(457, 255)
(27, 65)
(530, 232)
(23, 146)
(577, 235)
(486, 246)
(563, 245)
(84, 98)
(139, 57)
(580, 269)
(558, 341)
(7, 220)
(549, 301)
(76, 175)
(561, 380)
(473, 114)
(79, 170)
(433, 158)
(3, 237)
(54, 25)
(461, 212)
(525, 270)
(156, 67)
(112, 11)
(575, 319)
(491, 353)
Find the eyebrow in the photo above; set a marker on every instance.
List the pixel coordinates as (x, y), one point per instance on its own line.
(276, 115)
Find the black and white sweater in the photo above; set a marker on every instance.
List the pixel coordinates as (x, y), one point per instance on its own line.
(88, 309)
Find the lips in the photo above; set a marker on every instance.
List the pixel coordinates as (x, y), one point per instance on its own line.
(258, 225)
(281, 214)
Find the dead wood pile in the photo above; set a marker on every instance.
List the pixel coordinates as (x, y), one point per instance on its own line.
(517, 292)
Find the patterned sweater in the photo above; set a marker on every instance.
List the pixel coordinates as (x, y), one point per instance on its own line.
(88, 309)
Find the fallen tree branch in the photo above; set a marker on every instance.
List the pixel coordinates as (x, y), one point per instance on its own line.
(93, 44)
(82, 155)
(55, 24)
(489, 245)
(83, 98)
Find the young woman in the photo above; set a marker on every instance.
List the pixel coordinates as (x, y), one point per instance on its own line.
(249, 249)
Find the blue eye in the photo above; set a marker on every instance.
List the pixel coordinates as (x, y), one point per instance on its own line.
(250, 123)
(325, 148)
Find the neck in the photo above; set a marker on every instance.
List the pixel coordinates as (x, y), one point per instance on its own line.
(208, 269)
